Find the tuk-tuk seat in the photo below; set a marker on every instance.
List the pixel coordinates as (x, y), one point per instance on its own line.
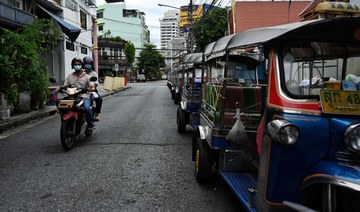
(250, 102)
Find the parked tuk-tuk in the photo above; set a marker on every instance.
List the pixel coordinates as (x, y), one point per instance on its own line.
(189, 109)
(178, 83)
(170, 83)
(296, 140)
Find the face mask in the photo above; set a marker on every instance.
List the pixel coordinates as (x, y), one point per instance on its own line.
(77, 67)
(88, 66)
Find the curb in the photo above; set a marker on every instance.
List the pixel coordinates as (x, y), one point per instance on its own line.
(23, 118)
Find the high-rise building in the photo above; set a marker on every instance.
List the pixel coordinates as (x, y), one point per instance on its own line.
(169, 27)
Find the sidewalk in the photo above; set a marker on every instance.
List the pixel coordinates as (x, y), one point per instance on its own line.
(17, 120)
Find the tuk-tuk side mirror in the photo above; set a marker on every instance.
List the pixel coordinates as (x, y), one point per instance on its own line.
(283, 131)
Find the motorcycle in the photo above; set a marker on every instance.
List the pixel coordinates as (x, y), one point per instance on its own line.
(73, 115)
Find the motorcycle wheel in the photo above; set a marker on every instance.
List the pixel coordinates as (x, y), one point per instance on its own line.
(67, 134)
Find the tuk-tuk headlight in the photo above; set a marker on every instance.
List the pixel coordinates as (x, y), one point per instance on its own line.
(283, 131)
(352, 137)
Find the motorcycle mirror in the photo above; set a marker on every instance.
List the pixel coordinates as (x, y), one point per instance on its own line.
(52, 80)
(93, 79)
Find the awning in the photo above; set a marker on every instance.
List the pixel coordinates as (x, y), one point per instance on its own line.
(70, 30)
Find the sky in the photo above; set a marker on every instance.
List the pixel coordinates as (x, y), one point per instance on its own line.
(153, 13)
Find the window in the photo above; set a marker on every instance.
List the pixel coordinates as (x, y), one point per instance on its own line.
(100, 14)
(101, 28)
(70, 46)
(309, 65)
(83, 50)
(83, 19)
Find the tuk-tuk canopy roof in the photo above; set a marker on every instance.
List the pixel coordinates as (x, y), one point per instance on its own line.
(209, 48)
(331, 29)
(191, 58)
(219, 48)
(264, 34)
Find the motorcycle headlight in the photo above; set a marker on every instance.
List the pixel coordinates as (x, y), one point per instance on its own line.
(352, 137)
(283, 131)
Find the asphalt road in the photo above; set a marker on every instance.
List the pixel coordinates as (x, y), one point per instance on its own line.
(134, 161)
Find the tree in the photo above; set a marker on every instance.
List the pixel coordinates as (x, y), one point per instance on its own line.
(210, 28)
(150, 60)
(129, 53)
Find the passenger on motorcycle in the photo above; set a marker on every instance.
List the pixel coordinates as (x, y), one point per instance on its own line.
(88, 66)
(81, 80)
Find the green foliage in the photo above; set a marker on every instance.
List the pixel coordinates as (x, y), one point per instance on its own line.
(150, 60)
(118, 38)
(210, 28)
(20, 65)
(129, 53)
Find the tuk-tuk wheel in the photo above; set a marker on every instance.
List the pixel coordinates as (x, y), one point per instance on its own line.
(181, 120)
(176, 99)
(172, 94)
(203, 161)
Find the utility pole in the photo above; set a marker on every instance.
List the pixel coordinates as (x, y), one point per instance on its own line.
(190, 36)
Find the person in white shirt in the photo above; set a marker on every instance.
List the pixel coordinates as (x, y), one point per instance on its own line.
(81, 80)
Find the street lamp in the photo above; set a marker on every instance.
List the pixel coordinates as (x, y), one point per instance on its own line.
(165, 5)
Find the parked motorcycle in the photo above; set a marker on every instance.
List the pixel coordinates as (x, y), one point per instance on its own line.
(73, 115)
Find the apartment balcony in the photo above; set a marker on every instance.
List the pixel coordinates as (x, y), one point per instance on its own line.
(111, 43)
(108, 62)
(13, 17)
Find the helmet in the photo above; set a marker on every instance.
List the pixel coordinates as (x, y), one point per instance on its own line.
(76, 59)
(88, 60)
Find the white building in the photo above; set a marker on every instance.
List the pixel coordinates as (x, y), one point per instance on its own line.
(169, 27)
(79, 13)
(173, 50)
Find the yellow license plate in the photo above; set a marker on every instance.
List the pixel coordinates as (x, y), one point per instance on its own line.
(340, 102)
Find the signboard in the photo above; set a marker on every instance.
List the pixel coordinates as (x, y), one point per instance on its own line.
(340, 102)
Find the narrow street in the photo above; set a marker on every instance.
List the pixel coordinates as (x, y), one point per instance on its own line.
(134, 161)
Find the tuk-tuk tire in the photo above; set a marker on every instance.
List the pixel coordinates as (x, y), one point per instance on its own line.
(176, 99)
(172, 94)
(203, 162)
(181, 120)
(195, 137)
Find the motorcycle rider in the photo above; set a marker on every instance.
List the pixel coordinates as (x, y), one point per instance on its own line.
(80, 79)
(88, 67)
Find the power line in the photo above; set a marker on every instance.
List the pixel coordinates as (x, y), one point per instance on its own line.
(124, 22)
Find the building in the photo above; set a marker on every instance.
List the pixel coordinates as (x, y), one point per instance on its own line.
(169, 27)
(73, 19)
(173, 51)
(112, 60)
(115, 20)
(254, 14)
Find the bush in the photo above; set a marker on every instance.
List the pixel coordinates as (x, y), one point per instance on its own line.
(20, 66)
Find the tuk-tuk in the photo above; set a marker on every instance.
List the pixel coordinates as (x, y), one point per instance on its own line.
(170, 83)
(296, 140)
(189, 109)
(178, 84)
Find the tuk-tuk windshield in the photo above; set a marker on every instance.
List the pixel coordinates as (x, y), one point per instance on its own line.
(309, 66)
(238, 72)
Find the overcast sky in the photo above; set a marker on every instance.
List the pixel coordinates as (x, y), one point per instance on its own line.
(153, 13)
